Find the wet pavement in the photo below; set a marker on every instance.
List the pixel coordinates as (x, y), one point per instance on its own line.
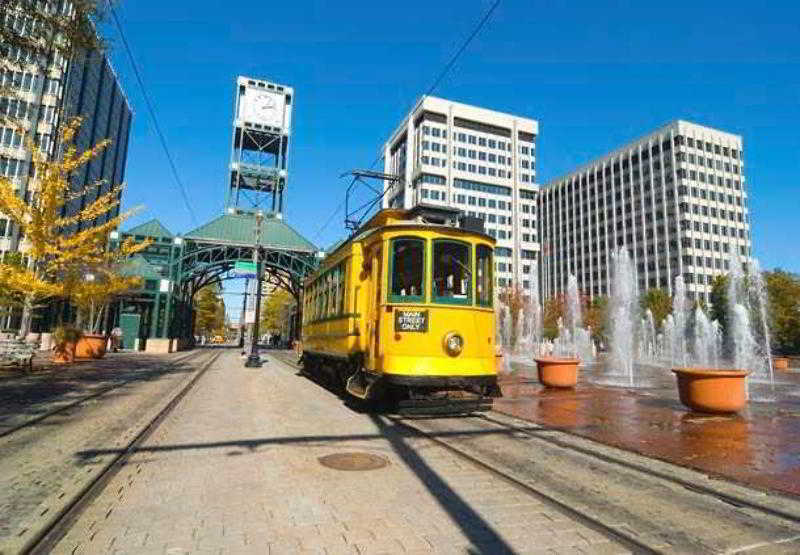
(758, 447)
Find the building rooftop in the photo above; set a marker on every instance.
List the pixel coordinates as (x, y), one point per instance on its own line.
(240, 229)
(672, 125)
(479, 112)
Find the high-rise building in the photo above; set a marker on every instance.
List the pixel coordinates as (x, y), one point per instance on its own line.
(675, 198)
(40, 96)
(480, 161)
(40, 101)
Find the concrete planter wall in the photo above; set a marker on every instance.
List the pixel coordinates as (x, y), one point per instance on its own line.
(46, 342)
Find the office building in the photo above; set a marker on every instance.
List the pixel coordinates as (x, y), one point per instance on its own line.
(675, 198)
(477, 160)
(40, 100)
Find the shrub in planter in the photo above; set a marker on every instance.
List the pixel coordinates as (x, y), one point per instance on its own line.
(65, 338)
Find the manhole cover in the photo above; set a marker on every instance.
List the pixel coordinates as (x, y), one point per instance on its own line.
(353, 461)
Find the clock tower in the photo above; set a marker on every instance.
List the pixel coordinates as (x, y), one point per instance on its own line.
(262, 124)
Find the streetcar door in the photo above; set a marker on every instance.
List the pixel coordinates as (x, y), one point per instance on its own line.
(374, 313)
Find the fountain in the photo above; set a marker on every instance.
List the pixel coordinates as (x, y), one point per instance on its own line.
(623, 317)
(686, 339)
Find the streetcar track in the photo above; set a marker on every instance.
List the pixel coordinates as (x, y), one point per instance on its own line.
(550, 436)
(689, 485)
(72, 404)
(615, 533)
(62, 520)
(625, 540)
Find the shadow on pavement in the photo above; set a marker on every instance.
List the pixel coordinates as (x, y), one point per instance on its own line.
(480, 533)
(253, 444)
(32, 395)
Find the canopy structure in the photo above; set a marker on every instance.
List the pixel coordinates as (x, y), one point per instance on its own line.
(174, 268)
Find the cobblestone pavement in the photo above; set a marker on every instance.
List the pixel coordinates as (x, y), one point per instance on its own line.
(235, 469)
(39, 470)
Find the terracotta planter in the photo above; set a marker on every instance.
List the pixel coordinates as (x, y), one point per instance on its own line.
(712, 390)
(91, 345)
(63, 354)
(558, 372)
(780, 363)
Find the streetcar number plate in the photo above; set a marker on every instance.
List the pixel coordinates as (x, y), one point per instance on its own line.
(411, 320)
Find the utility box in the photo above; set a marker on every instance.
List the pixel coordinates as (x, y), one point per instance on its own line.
(130, 325)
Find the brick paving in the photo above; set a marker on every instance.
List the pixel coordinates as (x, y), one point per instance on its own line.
(757, 447)
(39, 469)
(234, 469)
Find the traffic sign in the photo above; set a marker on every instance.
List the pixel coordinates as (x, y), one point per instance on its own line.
(245, 270)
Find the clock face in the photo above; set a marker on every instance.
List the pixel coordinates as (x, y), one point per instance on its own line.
(264, 104)
(264, 108)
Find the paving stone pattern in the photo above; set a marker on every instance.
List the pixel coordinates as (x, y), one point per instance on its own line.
(40, 465)
(234, 469)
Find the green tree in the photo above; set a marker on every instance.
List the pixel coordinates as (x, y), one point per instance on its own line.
(719, 301)
(514, 298)
(210, 311)
(659, 303)
(553, 309)
(596, 317)
(273, 311)
(783, 292)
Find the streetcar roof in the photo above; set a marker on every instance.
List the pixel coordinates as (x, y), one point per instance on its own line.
(423, 216)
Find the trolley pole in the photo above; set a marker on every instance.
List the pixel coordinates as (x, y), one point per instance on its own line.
(244, 311)
(254, 359)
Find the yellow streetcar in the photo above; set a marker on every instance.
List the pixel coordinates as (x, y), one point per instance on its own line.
(403, 310)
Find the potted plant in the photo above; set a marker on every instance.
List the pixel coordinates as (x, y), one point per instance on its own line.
(780, 363)
(65, 339)
(712, 390)
(93, 295)
(557, 371)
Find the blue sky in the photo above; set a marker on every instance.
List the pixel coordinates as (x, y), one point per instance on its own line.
(594, 74)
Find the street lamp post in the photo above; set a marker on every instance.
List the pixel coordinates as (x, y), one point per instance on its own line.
(254, 359)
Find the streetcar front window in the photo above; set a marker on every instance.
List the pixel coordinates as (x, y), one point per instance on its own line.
(408, 271)
(452, 273)
(483, 275)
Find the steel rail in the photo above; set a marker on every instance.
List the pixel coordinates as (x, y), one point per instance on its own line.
(72, 404)
(625, 540)
(728, 498)
(46, 539)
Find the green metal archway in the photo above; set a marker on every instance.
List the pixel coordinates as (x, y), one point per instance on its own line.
(207, 255)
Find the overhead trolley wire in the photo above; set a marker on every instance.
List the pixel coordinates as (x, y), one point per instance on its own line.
(436, 82)
(153, 116)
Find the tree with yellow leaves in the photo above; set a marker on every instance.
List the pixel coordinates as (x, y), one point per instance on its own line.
(93, 296)
(61, 250)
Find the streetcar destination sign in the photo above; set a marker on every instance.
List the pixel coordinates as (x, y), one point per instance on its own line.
(411, 320)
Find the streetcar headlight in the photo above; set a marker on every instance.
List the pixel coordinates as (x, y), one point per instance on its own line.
(453, 344)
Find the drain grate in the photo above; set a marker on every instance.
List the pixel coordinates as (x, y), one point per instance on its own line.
(353, 461)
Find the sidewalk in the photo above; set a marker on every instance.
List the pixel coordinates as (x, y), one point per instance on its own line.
(68, 410)
(236, 469)
(25, 395)
(758, 447)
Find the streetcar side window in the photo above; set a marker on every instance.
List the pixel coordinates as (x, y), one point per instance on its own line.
(483, 275)
(452, 272)
(407, 270)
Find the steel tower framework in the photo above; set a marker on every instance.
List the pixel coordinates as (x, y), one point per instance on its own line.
(259, 146)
